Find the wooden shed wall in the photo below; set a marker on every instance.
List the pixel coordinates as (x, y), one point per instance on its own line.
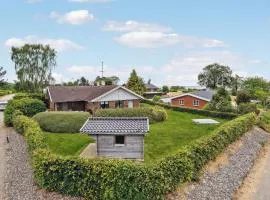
(133, 149)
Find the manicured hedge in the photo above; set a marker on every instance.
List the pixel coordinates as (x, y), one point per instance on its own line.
(39, 96)
(32, 132)
(120, 179)
(61, 122)
(154, 114)
(264, 121)
(27, 106)
(5, 92)
(222, 115)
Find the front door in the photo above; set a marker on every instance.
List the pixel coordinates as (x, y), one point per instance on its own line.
(130, 104)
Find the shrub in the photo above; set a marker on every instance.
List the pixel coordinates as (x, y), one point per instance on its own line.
(223, 115)
(61, 122)
(242, 97)
(32, 132)
(264, 121)
(119, 179)
(244, 108)
(154, 114)
(157, 98)
(27, 106)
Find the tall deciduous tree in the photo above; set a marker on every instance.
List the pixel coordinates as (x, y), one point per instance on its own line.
(236, 83)
(136, 83)
(215, 75)
(2, 74)
(83, 81)
(33, 65)
(165, 89)
(255, 84)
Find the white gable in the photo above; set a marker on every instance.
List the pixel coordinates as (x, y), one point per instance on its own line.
(119, 94)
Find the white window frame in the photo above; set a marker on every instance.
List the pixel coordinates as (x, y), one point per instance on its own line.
(181, 102)
(118, 144)
(196, 102)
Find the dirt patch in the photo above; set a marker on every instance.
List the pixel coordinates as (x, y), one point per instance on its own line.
(251, 182)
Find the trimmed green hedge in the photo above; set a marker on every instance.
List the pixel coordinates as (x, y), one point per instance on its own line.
(121, 179)
(154, 114)
(5, 92)
(27, 106)
(61, 122)
(32, 132)
(222, 115)
(264, 121)
(39, 96)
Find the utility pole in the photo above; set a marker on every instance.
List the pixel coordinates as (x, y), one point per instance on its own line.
(102, 70)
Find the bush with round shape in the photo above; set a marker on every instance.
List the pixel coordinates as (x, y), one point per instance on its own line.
(61, 122)
(28, 107)
(244, 108)
(242, 97)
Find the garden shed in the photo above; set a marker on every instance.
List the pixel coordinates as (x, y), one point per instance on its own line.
(118, 137)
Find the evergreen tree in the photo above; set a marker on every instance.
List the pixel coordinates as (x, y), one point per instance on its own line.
(136, 83)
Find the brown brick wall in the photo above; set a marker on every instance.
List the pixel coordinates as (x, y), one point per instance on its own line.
(136, 103)
(111, 104)
(188, 102)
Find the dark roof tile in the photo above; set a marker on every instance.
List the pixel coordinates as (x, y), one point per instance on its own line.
(116, 125)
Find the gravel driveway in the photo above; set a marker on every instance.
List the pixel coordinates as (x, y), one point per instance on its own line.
(16, 177)
(222, 183)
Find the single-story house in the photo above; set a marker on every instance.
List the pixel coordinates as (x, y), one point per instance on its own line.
(195, 100)
(118, 137)
(151, 91)
(86, 98)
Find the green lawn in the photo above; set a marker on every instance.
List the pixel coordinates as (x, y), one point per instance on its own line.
(67, 143)
(167, 137)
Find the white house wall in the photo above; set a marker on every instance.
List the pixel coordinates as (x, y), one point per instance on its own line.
(118, 94)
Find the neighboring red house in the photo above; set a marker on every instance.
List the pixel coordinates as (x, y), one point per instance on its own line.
(85, 98)
(195, 100)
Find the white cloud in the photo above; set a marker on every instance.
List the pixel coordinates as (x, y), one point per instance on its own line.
(131, 25)
(145, 39)
(59, 44)
(83, 70)
(90, 1)
(183, 70)
(75, 17)
(59, 78)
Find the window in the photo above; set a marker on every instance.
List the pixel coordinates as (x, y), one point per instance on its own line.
(181, 102)
(104, 104)
(196, 102)
(119, 140)
(119, 104)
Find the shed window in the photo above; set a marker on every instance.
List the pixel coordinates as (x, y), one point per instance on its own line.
(181, 102)
(196, 103)
(104, 104)
(119, 140)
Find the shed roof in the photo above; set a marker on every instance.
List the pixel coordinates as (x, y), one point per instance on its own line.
(116, 125)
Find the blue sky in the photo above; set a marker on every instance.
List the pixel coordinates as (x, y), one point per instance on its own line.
(167, 41)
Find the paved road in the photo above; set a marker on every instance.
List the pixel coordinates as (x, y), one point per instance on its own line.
(3, 146)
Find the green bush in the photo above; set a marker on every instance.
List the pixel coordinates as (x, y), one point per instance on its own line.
(242, 97)
(244, 108)
(5, 92)
(154, 114)
(27, 106)
(61, 122)
(264, 121)
(32, 132)
(122, 179)
(222, 115)
(119, 179)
